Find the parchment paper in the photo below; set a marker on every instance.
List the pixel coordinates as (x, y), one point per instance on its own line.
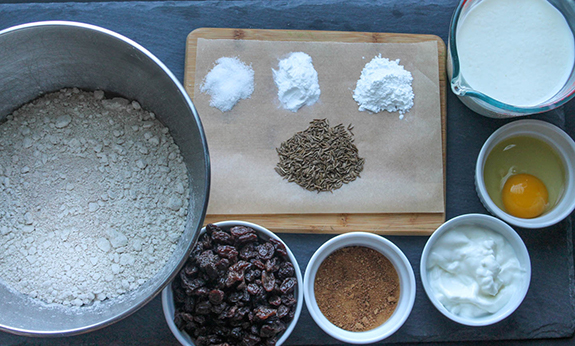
(403, 170)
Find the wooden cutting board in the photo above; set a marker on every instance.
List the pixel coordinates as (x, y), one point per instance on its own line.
(380, 223)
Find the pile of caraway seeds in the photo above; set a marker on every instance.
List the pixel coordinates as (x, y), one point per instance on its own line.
(320, 158)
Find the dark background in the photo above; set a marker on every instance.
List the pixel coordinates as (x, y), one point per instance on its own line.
(547, 315)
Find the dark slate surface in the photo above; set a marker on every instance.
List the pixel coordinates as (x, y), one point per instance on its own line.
(546, 316)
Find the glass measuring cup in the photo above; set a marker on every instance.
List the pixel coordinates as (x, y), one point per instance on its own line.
(488, 106)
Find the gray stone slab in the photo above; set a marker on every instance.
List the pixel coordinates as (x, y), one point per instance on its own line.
(161, 27)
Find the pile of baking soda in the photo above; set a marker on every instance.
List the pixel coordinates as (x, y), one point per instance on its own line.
(297, 81)
(93, 197)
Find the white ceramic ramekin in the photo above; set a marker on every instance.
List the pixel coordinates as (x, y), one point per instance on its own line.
(493, 224)
(560, 142)
(264, 233)
(406, 283)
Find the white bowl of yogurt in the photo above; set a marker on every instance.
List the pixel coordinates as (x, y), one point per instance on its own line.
(475, 269)
(510, 58)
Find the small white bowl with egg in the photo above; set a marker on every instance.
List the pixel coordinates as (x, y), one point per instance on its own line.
(475, 269)
(528, 148)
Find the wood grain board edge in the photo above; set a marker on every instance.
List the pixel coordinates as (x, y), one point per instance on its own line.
(384, 223)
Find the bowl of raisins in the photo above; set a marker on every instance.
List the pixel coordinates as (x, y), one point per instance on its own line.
(240, 286)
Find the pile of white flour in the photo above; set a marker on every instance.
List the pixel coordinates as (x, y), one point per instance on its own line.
(297, 81)
(93, 197)
(384, 85)
(228, 82)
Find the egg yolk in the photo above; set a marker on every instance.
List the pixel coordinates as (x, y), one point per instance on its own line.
(524, 196)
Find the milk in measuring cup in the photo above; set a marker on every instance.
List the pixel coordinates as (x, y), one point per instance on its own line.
(519, 52)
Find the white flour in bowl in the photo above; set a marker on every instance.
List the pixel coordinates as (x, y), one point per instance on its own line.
(93, 197)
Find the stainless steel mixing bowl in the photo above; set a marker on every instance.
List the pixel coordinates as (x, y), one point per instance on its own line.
(42, 57)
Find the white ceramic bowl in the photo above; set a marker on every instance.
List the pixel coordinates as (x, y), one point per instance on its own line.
(168, 299)
(406, 282)
(560, 142)
(496, 225)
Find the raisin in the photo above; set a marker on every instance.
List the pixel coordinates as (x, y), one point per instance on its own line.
(246, 238)
(288, 285)
(289, 300)
(236, 333)
(222, 266)
(216, 296)
(202, 341)
(230, 312)
(191, 284)
(233, 277)
(211, 270)
(279, 246)
(250, 340)
(267, 331)
(272, 329)
(254, 289)
(186, 317)
(200, 319)
(268, 281)
(203, 308)
(271, 341)
(200, 291)
(272, 265)
(222, 331)
(275, 301)
(189, 304)
(241, 312)
(192, 328)
(259, 264)
(178, 321)
(236, 272)
(263, 313)
(210, 228)
(179, 296)
(241, 266)
(205, 242)
(245, 296)
(228, 252)
(280, 327)
(206, 258)
(235, 297)
(265, 251)
(219, 308)
(286, 270)
(283, 311)
(252, 275)
(214, 339)
(221, 237)
(238, 231)
(247, 252)
(190, 270)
